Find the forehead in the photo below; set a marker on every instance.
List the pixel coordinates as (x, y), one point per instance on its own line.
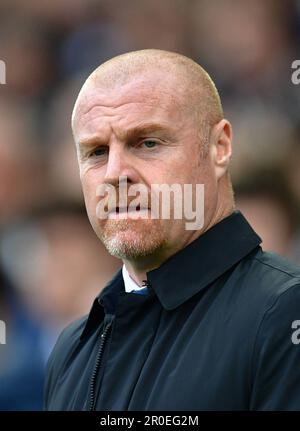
(143, 98)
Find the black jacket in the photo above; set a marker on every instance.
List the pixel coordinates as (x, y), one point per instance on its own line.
(214, 333)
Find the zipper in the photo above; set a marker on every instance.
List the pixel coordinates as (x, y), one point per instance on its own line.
(108, 320)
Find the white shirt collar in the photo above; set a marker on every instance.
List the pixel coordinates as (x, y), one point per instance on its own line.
(129, 283)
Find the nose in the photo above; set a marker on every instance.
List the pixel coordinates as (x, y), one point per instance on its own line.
(120, 164)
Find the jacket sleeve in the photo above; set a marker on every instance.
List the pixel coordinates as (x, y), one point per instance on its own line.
(276, 355)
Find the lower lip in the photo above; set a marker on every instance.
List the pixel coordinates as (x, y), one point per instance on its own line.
(131, 214)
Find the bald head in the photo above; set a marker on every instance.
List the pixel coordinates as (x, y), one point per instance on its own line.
(190, 81)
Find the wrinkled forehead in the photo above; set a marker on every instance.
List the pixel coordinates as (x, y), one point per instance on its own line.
(146, 91)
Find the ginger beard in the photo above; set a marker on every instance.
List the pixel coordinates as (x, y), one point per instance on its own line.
(131, 239)
(129, 235)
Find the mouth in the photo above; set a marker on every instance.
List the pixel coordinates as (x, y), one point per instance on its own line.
(128, 209)
(128, 212)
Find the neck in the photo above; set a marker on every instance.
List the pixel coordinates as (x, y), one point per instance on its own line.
(138, 269)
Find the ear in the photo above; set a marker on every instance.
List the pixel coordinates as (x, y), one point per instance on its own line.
(221, 139)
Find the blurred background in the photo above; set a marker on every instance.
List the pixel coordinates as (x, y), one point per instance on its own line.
(51, 264)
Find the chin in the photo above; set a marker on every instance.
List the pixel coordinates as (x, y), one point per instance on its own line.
(132, 239)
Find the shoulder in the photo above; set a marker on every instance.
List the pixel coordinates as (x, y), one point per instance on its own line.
(65, 345)
(277, 264)
(266, 291)
(269, 276)
(276, 352)
(280, 278)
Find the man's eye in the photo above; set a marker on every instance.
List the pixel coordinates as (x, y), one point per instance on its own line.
(97, 152)
(149, 143)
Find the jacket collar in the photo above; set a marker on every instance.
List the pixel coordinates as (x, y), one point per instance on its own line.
(191, 269)
(203, 261)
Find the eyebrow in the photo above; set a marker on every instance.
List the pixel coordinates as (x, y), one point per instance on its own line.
(143, 129)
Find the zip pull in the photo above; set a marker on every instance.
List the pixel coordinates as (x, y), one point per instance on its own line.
(108, 319)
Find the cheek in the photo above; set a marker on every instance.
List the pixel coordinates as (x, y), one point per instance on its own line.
(173, 170)
(186, 167)
(89, 188)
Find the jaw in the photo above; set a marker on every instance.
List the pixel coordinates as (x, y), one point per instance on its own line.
(132, 239)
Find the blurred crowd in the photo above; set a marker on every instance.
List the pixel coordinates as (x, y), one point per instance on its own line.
(51, 264)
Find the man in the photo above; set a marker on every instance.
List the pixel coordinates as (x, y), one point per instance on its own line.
(197, 319)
